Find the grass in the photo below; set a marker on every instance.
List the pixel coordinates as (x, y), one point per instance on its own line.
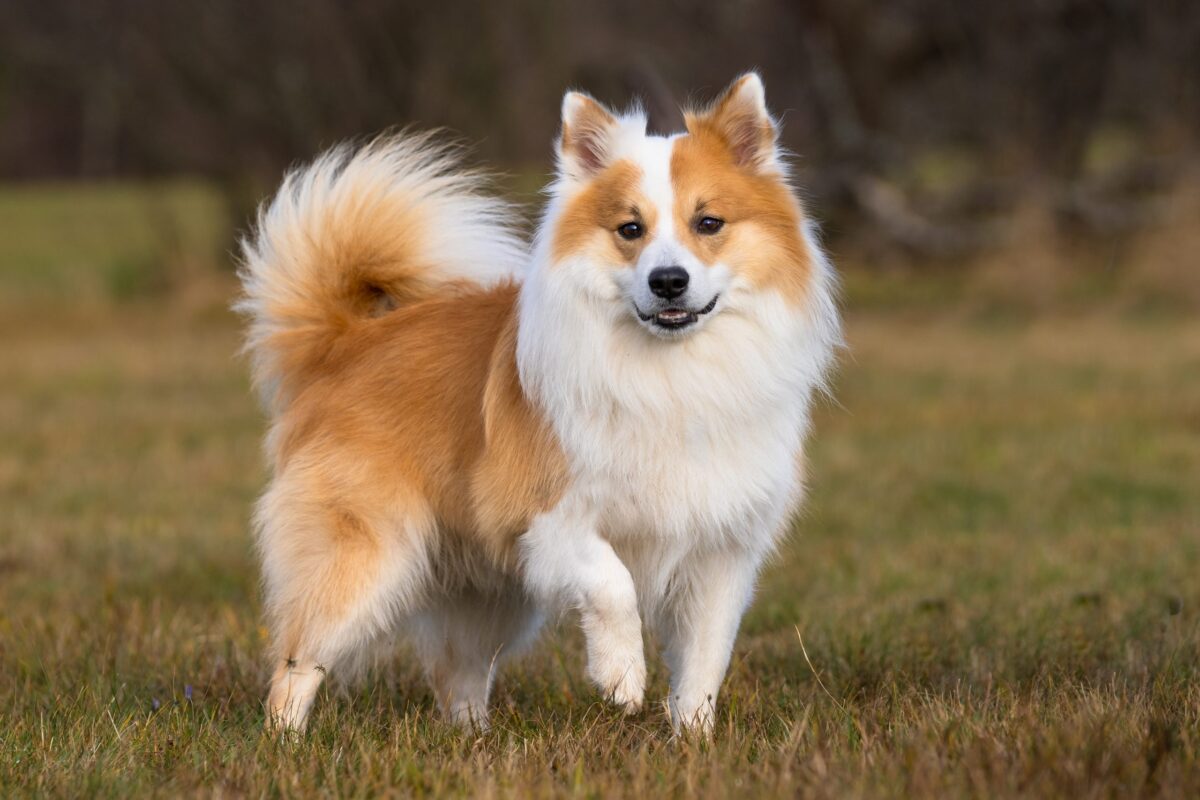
(995, 577)
(97, 243)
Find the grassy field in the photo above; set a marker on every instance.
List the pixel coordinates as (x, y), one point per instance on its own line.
(997, 577)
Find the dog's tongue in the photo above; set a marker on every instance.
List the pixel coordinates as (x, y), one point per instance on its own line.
(673, 315)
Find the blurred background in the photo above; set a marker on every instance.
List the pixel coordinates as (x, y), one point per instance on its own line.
(995, 570)
(1042, 142)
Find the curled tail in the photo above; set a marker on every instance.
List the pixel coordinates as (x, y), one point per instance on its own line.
(359, 231)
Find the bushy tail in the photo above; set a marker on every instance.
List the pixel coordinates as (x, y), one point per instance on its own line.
(359, 231)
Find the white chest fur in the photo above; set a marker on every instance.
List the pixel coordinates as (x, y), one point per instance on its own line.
(695, 440)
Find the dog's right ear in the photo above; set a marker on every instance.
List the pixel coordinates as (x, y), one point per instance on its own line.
(588, 136)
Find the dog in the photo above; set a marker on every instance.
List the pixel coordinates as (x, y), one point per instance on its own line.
(470, 432)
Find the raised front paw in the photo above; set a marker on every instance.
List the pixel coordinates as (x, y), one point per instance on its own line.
(621, 677)
(616, 663)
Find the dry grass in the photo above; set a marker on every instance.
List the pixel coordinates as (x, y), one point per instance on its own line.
(996, 579)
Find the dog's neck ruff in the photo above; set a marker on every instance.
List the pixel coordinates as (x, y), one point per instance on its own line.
(689, 438)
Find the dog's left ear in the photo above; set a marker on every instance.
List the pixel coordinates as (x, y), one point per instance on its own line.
(740, 118)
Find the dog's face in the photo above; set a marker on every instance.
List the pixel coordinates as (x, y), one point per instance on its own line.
(675, 231)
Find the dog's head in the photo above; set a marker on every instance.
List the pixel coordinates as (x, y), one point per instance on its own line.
(671, 232)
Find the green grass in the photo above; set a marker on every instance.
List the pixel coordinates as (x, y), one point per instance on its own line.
(98, 243)
(995, 578)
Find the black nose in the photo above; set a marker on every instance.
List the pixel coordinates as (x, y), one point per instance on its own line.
(668, 282)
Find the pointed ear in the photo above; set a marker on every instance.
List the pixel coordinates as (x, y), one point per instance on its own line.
(588, 131)
(740, 118)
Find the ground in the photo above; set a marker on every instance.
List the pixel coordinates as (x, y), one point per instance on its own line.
(994, 589)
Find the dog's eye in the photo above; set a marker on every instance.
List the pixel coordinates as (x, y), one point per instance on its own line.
(709, 225)
(631, 230)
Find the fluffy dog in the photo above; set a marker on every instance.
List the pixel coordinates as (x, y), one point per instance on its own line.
(469, 432)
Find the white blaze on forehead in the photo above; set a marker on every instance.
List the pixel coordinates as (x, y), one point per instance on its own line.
(653, 155)
(666, 244)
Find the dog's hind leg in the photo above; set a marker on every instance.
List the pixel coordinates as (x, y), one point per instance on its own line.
(461, 641)
(335, 580)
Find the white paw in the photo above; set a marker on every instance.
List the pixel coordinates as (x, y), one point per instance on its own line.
(616, 663)
(293, 690)
(468, 716)
(693, 714)
(622, 680)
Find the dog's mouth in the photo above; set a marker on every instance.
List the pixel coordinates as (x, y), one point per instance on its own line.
(676, 318)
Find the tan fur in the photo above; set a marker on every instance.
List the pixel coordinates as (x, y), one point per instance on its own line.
(355, 234)
(428, 399)
(593, 215)
(738, 122)
(521, 469)
(380, 285)
(761, 239)
(414, 449)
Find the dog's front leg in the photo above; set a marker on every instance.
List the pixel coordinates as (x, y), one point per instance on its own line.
(700, 630)
(566, 563)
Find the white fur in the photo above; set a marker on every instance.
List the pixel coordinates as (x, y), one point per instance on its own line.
(683, 452)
